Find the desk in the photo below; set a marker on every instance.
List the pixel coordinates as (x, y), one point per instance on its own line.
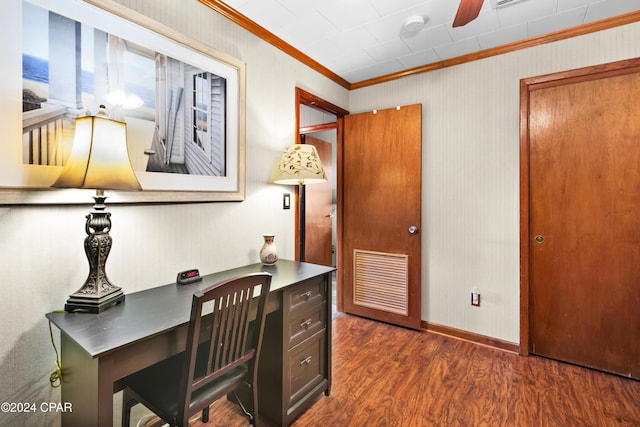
(98, 350)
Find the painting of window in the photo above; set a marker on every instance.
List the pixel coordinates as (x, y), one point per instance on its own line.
(176, 113)
(208, 124)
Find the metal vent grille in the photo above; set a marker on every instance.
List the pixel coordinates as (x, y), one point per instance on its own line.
(380, 281)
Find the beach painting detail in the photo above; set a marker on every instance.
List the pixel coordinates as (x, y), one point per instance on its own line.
(182, 101)
(175, 111)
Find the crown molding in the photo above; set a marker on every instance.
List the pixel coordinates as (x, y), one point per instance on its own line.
(580, 30)
(236, 17)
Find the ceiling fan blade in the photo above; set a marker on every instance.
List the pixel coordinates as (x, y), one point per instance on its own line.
(467, 12)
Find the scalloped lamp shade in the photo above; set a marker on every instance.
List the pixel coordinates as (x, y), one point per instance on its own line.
(299, 165)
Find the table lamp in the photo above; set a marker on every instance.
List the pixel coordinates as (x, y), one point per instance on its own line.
(99, 160)
(300, 165)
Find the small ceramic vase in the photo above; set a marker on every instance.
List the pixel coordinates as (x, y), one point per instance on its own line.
(268, 251)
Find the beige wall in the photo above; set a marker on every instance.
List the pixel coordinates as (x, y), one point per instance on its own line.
(41, 251)
(470, 192)
(470, 173)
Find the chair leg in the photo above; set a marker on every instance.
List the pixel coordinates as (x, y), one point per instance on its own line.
(128, 402)
(254, 393)
(205, 415)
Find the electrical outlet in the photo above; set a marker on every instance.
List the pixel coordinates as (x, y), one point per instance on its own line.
(475, 297)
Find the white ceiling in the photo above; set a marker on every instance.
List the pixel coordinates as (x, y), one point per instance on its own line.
(364, 39)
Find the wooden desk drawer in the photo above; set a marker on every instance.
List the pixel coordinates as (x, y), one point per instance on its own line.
(307, 323)
(306, 294)
(307, 366)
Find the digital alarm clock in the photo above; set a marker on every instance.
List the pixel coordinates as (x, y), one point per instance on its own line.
(188, 276)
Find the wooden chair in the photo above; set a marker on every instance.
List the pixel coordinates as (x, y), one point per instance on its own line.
(223, 348)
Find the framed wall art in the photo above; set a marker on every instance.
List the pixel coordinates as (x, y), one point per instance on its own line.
(183, 103)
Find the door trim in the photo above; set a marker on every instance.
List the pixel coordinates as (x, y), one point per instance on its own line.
(527, 86)
(302, 97)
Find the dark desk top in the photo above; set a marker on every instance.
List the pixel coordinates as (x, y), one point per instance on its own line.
(153, 311)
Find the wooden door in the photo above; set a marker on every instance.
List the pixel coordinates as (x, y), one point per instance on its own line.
(381, 187)
(319, 210)
(584, 220)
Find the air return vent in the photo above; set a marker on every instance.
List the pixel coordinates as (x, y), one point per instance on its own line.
(380, 281)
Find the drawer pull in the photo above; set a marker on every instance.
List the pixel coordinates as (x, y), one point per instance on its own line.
(305, 361)
(306, 295)
(305, 324)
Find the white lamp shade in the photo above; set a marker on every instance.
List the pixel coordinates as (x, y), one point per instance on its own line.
(299, 164)
(99, 158)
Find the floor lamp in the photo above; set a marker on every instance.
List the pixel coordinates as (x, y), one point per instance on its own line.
(300, 165)
(99, 160)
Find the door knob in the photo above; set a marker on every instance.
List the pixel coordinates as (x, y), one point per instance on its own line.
(539, 239)
(413, 229)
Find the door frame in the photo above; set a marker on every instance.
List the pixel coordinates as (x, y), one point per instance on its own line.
(302, 97)
(526, 87)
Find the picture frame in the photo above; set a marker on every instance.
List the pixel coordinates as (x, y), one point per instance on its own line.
(194, 107)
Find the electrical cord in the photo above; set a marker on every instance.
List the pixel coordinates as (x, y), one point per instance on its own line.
(55, 379)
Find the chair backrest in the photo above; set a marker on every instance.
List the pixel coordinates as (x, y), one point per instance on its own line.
(219, 336)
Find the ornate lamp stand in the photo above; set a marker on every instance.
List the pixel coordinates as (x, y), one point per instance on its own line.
(97, 293)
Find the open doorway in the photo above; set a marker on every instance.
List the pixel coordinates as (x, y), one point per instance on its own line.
(320, 199)
(318, 233)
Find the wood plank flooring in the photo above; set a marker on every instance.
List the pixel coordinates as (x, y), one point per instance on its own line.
(384, 375)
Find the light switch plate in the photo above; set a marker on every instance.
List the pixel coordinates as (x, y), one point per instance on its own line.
(475, 298)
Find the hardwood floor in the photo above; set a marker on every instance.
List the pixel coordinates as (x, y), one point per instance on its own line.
(384, 375)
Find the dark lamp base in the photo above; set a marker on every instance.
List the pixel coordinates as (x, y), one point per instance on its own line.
(93, 305)
(98, 293)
